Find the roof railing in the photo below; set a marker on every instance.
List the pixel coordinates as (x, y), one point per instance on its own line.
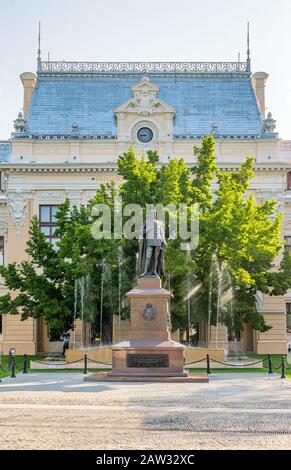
(64, 67)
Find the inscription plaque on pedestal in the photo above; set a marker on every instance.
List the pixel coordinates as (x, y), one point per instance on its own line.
(147, 360)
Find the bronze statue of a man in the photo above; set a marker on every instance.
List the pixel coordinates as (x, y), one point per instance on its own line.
(151, 248)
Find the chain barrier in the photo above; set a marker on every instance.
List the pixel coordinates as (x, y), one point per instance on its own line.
(58, 363)
(100, 362)
(276, 367)
(283, 366)
(240, 365)
(3, 370)
(195, 362)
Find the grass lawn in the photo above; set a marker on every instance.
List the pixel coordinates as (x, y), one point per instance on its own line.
(276, 359)
(19, 364)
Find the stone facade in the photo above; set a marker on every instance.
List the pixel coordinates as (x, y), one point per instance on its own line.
(63, 155)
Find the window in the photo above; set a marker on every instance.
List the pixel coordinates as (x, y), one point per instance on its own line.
(48, 223)
(1, 251)
(289, 180)
(288, 244)
(288, 316)
(1, 324)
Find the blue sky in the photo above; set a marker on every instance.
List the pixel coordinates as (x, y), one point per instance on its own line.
(192, 30)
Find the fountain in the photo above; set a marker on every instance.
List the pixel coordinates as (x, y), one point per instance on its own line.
(223, 318)
(149, 354)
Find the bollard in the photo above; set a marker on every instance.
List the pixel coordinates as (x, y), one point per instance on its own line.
(24, 364)
(283, 376)
(85, 365)
(208, 364)
(13, 368)
(270, 365)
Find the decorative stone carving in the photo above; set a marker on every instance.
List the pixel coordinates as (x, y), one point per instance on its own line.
(75, 198)
(19, 123)
(144, 101)
(18, 208)
(269, 123)
(144, 109)
(50, 196)
(214, 128)
(75, 130)
(148, 312)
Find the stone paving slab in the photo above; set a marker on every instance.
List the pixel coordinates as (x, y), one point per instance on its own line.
(60, 411)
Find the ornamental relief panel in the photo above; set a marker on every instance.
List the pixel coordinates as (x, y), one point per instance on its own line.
(18, 210)
(144, 104)
(50, 196)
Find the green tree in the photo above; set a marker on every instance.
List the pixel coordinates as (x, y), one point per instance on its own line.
(237, 234)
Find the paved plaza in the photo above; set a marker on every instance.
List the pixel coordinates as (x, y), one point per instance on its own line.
(60, 411)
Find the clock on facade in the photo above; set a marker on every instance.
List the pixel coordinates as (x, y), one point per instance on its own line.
(145, 135)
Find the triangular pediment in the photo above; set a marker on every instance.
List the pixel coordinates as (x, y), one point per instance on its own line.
(144, 100)
(145, 85)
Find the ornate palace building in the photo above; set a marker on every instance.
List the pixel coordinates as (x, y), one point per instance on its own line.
(78, 117)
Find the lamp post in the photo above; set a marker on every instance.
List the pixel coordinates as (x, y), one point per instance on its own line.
(12, 352)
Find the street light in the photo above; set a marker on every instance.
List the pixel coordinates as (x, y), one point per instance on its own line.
(12, 352)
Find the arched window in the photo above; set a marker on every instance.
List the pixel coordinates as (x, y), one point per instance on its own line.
(289, 180)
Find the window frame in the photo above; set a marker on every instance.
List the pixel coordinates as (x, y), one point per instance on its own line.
(50, 224)
(3, 261)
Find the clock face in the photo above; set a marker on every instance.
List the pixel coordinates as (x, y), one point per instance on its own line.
(145, 135)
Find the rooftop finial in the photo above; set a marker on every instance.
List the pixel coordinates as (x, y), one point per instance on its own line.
(39, 51)
(248, 49)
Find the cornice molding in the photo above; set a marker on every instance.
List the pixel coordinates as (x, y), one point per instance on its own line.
(112, 167)
(57, 168)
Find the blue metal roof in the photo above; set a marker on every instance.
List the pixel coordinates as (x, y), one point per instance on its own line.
(5, 151)
(226, 100)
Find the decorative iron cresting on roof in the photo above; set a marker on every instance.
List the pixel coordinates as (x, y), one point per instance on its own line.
(142, 67)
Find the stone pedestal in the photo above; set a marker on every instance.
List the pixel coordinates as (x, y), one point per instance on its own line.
(149, 351)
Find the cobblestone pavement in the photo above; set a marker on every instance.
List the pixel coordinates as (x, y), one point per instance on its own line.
(60, 411)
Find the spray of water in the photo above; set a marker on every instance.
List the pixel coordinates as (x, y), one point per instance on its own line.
(120, 262)
(224, 315)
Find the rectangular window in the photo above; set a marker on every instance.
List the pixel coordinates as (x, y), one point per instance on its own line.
(288, 244)
(288, 316)
(1, 251)
(47, 222)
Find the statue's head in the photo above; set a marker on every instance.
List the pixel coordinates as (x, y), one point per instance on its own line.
(152, 213)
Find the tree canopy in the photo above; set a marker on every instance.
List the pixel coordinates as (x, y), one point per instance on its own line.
(242, 233)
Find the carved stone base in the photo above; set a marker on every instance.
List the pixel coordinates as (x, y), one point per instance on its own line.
(164, 358)
(149, 352)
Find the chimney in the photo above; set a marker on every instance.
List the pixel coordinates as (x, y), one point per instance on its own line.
(28, 80)
(259, 82)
